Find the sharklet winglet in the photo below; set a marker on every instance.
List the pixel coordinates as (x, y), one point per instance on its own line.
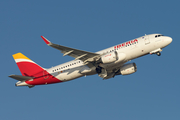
(46, 40)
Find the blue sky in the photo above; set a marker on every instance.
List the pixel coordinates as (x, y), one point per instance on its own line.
(152, 93)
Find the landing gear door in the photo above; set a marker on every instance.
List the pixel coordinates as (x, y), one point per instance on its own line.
(146, 40)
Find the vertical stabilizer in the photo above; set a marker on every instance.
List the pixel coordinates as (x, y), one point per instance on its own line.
(26, 65)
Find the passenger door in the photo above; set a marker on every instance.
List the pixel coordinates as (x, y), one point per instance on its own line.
(146, 40)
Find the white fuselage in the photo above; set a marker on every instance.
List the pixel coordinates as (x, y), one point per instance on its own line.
(148, 44)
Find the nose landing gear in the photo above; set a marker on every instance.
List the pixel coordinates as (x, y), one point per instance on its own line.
(158, 54)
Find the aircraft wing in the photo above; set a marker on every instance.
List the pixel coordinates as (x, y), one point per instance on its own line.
(77, 54)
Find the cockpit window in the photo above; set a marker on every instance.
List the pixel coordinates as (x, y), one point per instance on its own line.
(158, 36)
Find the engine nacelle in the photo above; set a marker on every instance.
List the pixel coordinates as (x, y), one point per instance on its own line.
(128, 69)
(109, 57)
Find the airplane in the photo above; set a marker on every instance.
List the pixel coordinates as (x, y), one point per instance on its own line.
(106, 63)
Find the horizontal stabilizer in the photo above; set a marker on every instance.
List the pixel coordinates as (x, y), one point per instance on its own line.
(20, 77)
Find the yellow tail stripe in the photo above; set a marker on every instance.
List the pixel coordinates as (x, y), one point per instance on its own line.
(20, 56)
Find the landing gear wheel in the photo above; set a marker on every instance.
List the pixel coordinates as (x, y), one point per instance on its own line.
(158, 54)
(98, 70)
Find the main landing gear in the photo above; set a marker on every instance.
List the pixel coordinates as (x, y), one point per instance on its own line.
(99, 69)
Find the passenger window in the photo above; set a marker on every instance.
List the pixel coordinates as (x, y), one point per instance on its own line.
(158, 35)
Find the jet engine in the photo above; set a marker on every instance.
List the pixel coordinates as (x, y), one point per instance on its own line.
(109, 57)
(127, 69)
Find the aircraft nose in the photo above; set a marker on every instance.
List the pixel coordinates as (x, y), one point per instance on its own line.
(168, 40)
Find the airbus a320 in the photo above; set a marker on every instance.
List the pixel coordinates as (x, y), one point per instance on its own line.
(106, 63)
